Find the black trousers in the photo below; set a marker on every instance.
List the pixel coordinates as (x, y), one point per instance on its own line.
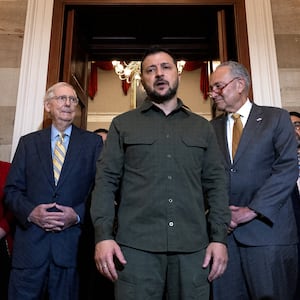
(258, 273)
(5, 263)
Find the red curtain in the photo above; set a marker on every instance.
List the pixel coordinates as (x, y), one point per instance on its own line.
(93, 81)
(107, 65)
(204, 82)
(125, 87)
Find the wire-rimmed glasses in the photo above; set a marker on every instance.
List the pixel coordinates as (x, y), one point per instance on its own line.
(218, 88)
(63, 99)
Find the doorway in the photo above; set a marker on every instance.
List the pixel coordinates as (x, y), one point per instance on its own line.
(105, 30)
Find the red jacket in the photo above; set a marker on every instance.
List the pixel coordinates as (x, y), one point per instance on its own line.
(6, 217)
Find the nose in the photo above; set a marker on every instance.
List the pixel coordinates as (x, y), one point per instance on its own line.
(212, 93)
(159, 72)
(68, 101)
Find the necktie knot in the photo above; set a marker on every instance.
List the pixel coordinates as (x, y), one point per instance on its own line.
(235, 116)
(61, 137)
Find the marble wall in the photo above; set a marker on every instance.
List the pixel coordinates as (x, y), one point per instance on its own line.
(286, 24)
(12, 25)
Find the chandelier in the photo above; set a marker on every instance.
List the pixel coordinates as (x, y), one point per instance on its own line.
(180, 65)
(131, 71)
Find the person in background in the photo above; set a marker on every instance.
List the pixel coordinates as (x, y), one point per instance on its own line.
(262, 241)
(6, 234)
(295, 118)
(50, 214)
(165, 163)
(102, 132)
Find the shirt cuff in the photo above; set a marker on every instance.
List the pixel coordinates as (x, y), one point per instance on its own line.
(78, 219)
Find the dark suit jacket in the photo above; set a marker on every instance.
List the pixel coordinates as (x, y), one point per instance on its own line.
(263, 175)
(31, 182)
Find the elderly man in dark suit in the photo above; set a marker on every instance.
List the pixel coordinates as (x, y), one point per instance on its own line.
(49, 213)
(262, 241)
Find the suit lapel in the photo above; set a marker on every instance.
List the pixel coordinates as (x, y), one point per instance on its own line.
(250, 131)
(43, 145)
(221, 132)
(74, 148)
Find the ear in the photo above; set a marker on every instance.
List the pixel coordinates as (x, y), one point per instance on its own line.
(242, 85)
(47, 106)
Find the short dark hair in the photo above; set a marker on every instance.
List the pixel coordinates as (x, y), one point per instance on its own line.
(99, 130)
(156, 49)
(295, 114)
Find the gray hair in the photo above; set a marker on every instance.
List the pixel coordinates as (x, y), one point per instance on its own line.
(237, 70)
(51, 90)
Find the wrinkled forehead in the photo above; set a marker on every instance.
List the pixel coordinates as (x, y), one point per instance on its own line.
(221, 74)
(157, 59)
(64, 90)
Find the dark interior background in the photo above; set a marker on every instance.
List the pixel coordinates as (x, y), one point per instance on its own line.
(123, 32)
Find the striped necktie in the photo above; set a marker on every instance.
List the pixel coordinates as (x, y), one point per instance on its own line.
(59, 156)
(236, 133)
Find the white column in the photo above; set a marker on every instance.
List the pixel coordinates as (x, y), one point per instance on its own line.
(263, 59)
(33, 71)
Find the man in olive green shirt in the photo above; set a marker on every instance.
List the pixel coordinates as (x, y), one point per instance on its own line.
(164, 163)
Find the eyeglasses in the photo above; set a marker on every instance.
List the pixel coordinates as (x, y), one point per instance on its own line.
(218, 88)
(63, 99)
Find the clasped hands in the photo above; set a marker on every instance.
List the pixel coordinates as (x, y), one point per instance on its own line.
(53, 217)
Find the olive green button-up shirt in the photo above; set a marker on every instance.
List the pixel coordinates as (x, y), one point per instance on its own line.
(167, 171)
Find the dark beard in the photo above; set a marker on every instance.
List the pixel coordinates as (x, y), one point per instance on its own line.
(157, 98)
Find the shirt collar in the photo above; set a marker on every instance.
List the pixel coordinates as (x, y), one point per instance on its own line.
(244, 110)
(55, 132)
(147, 104)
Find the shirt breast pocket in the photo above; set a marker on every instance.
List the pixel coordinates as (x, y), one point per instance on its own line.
(139, 149)
(195, 148)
